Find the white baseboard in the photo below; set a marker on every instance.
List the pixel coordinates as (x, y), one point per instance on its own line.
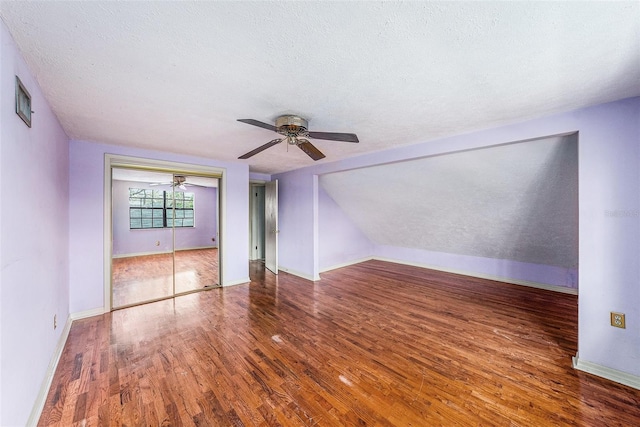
(236, 282)
(299, 274)
(142, 254)
(162, 252)
(555, 288)
(345, 264)
(195, 248)
(608, 373)
(87, 313)
(38, 406)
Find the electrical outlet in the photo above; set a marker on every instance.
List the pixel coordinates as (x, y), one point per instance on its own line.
(617, 320)
(55, 321)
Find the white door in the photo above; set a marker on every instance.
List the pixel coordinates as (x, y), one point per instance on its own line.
(271, 226)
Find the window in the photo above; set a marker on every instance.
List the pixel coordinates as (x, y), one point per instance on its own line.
(179, 211)
(160, 209)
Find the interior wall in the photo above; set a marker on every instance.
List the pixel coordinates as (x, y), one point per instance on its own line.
(516, 201)
(127, 242)
(609, 226)
(340, 240)
(34, 226)
(87, 201)
(297, 210)
(610, 235)
(512, 209)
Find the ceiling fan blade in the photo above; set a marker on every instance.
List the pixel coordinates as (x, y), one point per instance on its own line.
(334, 136)
(261, 148)
(310, 149)
(257, 123)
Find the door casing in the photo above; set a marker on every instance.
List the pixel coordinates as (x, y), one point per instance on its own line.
(271, 225)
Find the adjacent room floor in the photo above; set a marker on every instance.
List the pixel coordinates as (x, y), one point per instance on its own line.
(370, 344)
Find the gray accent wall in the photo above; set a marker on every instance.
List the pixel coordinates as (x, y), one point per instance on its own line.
(516, 201)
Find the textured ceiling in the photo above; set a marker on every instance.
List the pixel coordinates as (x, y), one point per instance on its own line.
(175, 76)
(517, 201)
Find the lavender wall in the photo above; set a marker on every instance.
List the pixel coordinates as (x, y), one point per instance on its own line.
(297, 213)
(509, 202)
(34, 258)
(127, 242)
(87, 209)
(610, 233)
(539, 275)
(609, 223)
(508, 211)
(340, 240)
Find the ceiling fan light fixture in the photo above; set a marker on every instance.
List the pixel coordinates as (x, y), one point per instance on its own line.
(291, 125)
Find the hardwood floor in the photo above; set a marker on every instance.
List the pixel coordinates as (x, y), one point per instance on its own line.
(371, 344)
(144, 278)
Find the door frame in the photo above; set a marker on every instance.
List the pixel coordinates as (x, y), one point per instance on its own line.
(128, 162)
(255, 232)
(271, 221)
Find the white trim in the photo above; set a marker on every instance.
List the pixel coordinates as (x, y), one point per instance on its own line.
(142, 254)
(315, 228)
(108, 232)
(555, 288)
(162, 252)
(221, 226)
(299, 274)
(117, 160)
(608, 373)
(87, 313)
(38, 405)
(346, 264)
(237, 282)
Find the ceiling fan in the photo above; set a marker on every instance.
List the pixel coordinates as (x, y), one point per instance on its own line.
(179, 181)
(295, 132)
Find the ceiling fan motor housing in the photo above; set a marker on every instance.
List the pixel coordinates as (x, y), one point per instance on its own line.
(292, 126)
(295, 131)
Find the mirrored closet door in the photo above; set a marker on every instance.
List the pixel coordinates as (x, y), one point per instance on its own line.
(196, 236)
(164, 235)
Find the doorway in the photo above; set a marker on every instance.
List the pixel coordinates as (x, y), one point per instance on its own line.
(256, 226)
(263, 224)
(164, 229)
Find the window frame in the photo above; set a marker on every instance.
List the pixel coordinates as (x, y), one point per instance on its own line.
(163, 207)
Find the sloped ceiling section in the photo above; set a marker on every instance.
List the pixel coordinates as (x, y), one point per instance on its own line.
(517, 201)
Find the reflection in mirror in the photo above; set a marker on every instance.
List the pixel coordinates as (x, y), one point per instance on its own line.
(196, 233)
(142, 254)
(165, 235)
